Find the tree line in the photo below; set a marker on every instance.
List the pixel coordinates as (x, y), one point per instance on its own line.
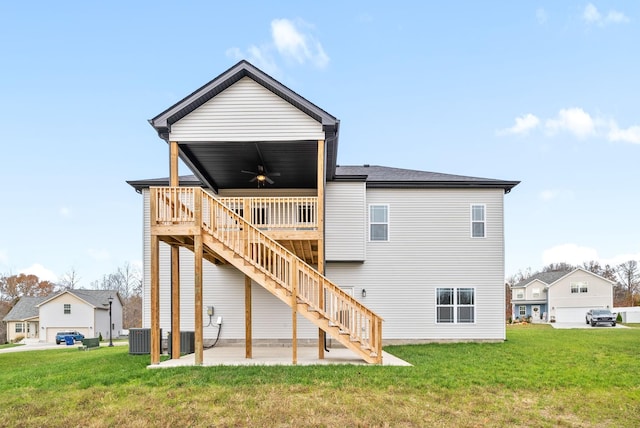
(126, 280)
(625, 276)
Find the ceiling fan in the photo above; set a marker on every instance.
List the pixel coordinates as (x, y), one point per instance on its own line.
(261, 175)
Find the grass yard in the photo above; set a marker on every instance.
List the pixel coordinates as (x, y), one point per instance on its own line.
(539, 377)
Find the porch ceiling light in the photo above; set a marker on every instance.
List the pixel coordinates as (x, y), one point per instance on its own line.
(261, 177)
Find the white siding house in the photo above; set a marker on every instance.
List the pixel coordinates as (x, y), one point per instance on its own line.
(423, 250)
(561, 296)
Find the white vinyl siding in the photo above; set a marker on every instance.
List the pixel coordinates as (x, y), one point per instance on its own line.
(246, 111)
(345, 221)
(431, 248)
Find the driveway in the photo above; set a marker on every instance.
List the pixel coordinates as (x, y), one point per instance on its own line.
(566, 325)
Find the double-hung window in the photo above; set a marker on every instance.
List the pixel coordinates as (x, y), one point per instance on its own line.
(455, 305)
(579, 287)
(19, 327)
(478, 229)
(67, 308)
(378, 222)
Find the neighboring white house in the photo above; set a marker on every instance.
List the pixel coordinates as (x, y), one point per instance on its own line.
(423, 250)
(86, 311)
(561, 296)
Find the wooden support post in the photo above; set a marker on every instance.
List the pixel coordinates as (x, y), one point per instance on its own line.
(294, 311)
(175, 262)
(174, 180)
(198, 254)
(175, 302)
(248, 353)
(321, 177)
(155, 300)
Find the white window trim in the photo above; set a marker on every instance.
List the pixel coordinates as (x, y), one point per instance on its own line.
(519, 294)
(455, 307)
(484, 221)
(580, 285)
(388, 223)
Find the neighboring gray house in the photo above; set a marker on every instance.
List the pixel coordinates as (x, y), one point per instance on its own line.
(423, 250)
(22, 319)
(561, 296)
(86, 311)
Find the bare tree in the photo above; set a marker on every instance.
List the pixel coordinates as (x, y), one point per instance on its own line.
(127, 281)
(629, 280)
(70, 279)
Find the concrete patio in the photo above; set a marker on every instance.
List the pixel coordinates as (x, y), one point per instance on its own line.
(273, 356)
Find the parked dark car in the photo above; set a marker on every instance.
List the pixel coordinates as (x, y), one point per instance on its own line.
(60, 336)
(600, 316)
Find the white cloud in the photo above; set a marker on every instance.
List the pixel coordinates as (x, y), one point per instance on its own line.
(292, 43)
(629, 135)
(569, 253)
(592, 16)
(100, 255)
(574, 120)
(41, 272)
(523, 125)
(576, 255)
(541, 16)
(65, 212)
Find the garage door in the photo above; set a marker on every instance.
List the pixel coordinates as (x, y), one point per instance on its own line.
(52, 331)
(571, 314)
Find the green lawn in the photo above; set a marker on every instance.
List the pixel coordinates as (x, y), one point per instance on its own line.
(539, 377)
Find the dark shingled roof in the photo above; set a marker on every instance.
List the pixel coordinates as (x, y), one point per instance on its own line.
(24, 309)
(97, 298)
(383, 176)
(546, 277)
(374, 176)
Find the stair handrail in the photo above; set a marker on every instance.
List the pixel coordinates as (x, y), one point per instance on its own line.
(272, 259)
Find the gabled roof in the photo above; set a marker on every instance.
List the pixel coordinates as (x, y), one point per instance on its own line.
(553, 277)
(99, 299)
(163, 121)
(584, 271)
(219, 164)
(544, 277)
(24, 309)
(383, 176)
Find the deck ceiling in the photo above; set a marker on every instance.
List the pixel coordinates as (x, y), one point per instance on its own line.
(219, 164)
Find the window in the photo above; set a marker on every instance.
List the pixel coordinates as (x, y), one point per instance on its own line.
(67, 308)
(522, 310)
(477, 221)
(519, 294)
(579, 287)
(378, 222)
(455, 305)
(19, 327)
(535, 293)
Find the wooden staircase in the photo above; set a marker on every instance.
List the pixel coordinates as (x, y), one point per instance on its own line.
(179, 213)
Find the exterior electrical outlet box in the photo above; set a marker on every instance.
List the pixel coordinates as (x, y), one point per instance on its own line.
(219, 321)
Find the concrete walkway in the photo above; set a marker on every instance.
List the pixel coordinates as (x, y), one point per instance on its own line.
(275, 356)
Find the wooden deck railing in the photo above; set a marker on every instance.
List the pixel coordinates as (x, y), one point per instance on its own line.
(182, 205)
(278, 213)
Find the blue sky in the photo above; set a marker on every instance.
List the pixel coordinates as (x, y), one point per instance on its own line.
(544, 92)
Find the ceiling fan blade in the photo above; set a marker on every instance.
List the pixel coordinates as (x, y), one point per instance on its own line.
(270, 181)
(274, 174)
(253, 179)
(248, 172)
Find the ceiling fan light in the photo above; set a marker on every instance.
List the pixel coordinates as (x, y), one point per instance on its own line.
(261, 177)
